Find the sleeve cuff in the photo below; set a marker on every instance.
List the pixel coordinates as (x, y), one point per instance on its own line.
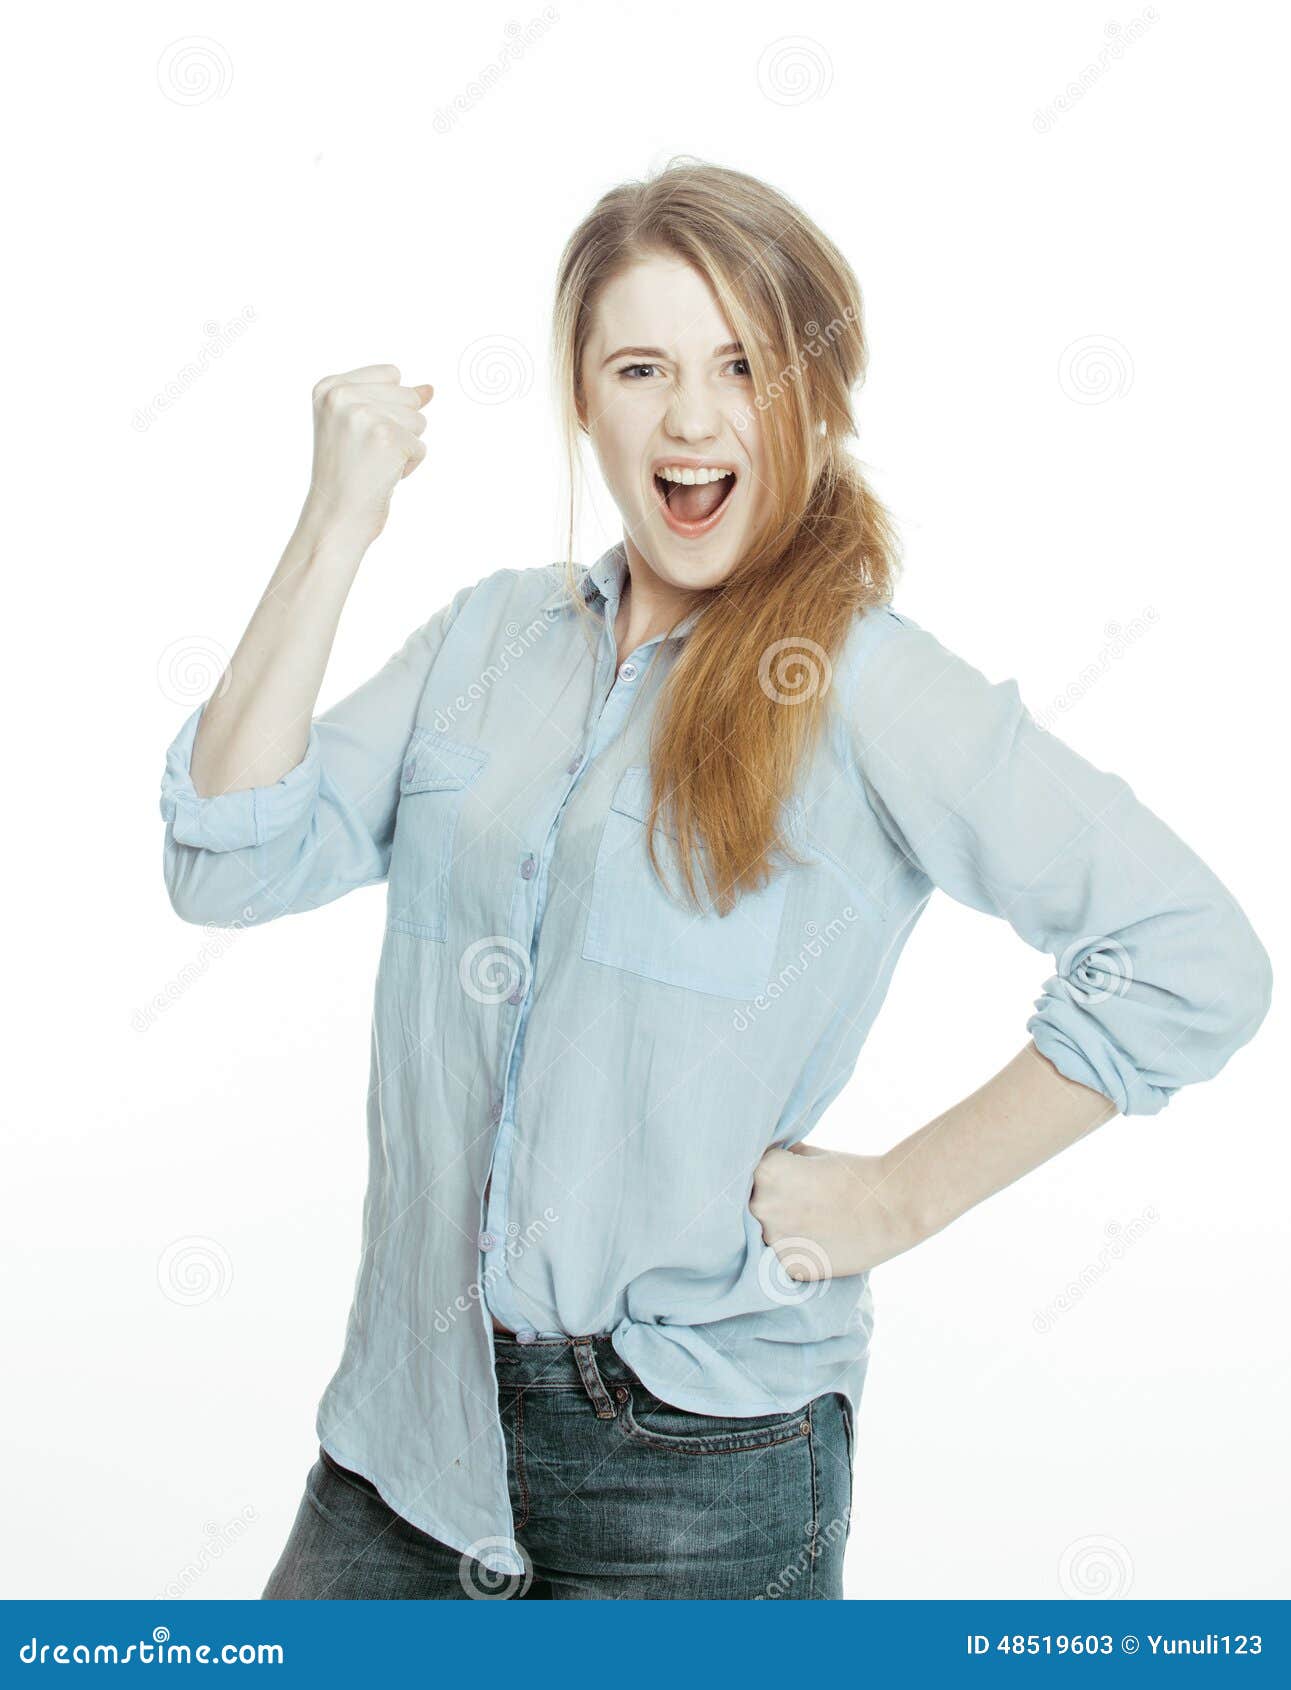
(234, 821)
(1085, 1054)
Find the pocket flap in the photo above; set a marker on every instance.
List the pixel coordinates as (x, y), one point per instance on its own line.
(435, 763)
(632, 794)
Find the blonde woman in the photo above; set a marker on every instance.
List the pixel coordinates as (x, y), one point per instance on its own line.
(655, 833)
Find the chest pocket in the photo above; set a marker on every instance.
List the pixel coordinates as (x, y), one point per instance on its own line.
(636, 924)
(432, 788)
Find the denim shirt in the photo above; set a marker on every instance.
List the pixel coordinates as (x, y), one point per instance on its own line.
(609, 1063)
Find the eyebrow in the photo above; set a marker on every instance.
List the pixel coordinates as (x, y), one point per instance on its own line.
(732, 348)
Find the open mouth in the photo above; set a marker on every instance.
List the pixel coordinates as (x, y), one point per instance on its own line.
(691, 509)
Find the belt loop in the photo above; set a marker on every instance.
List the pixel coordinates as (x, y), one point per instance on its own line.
(591, 1377)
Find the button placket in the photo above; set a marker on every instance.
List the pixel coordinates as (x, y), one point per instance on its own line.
(528, 870)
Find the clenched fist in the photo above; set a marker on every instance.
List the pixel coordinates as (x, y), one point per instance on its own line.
(366, 429)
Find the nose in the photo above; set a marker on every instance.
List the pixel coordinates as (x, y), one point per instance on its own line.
(692, 415)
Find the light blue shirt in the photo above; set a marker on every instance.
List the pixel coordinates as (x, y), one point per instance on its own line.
(544, 1014)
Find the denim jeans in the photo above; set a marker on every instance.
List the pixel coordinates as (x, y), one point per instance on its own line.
(616, 1494)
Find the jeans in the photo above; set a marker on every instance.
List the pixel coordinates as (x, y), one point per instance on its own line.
(616, 1494)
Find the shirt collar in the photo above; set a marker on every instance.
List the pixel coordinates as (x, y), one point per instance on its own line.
(605, 579)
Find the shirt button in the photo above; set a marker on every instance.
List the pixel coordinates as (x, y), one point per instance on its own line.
(627, 671)
(574, 766)
(410, 768)
(488, 1240)
(526, 1335)
(517, 996)
(495, 1114)
(527, 867)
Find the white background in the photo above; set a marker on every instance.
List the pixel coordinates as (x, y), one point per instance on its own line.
(1076, 410)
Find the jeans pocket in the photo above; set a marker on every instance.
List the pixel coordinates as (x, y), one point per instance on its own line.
(657, 1424)
(433, 783)
(637, 924)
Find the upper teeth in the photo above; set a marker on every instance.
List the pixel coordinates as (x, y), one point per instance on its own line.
(692, 477)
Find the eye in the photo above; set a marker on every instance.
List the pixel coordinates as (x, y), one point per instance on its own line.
(744, 361)
(627, 369)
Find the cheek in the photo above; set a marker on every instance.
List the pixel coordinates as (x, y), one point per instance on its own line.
(621, 451)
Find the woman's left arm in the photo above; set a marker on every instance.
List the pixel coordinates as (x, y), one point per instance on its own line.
(1160, 975)
(859, 1211)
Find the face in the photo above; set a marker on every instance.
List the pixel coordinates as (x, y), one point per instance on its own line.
(666, 389)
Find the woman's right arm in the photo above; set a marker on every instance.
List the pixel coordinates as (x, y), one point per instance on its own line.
(270, 809)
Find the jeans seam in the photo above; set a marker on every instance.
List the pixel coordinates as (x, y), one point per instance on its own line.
(815, 1501)
(521, 1479)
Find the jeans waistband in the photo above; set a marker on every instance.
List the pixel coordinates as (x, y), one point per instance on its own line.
(590, 1364)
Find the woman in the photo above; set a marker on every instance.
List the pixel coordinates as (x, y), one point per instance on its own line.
(655, 834)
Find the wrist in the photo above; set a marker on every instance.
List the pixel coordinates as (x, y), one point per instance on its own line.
(907, 1217)
(325, 526)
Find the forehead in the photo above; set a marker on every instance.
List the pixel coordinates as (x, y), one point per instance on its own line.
(658, 301)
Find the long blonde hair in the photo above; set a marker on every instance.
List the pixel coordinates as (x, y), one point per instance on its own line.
(733, 723)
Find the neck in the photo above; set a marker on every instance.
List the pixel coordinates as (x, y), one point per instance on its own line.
(647, 606)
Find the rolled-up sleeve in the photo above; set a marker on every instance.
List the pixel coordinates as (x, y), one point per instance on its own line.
(1160, 975)
(325, 827)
